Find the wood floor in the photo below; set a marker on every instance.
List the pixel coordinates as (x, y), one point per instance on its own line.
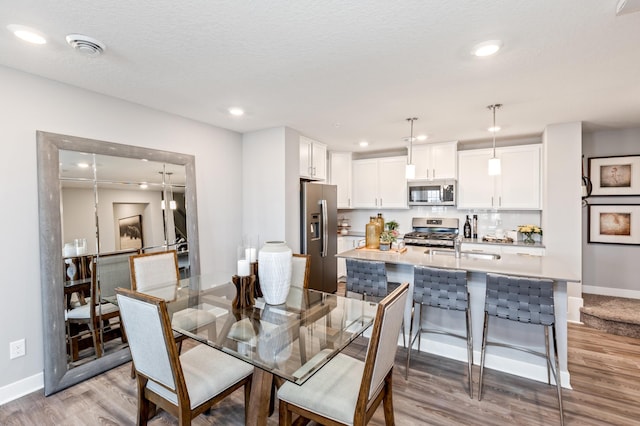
(605, 375)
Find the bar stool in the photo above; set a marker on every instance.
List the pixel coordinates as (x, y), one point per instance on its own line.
(369, 278)
(442, 289)
(529, 301)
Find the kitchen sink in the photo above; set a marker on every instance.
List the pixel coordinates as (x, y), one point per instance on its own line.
(465, 254)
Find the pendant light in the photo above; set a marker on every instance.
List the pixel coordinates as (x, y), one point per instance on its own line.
(494, 163)
(410, 170)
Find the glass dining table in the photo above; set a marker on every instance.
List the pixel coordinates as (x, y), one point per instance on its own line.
(283, 342)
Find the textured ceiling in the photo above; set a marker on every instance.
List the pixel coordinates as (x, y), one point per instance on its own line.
(366, 65)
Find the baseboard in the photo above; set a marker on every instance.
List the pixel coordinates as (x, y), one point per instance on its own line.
(21, 388)
(607, 291)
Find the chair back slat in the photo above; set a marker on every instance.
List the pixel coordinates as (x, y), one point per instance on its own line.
(146, 329)
(522, 299)
(383, 343)
(151, 270)
(300, 264)
(367, 276)
(441, 288)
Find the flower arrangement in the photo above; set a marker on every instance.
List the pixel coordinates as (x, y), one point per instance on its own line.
(391, 234)
(528, 231)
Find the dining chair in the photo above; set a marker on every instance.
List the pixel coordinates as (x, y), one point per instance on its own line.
(184, 385)
(444, 289)
(300, 269)
(151, 271)
(100, 317)
(347, 390)
(528, 301)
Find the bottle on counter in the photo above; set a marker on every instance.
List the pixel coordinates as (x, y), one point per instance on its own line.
(467, 228)
(380, 221)
(475, 226)
(372, 233)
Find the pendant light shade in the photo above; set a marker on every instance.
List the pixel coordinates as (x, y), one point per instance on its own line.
(494, 166)
(410, 169)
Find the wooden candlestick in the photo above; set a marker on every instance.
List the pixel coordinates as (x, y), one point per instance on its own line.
(257, 292)
(244, 291)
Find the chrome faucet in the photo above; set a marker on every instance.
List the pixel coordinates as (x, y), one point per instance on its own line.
(457, 245)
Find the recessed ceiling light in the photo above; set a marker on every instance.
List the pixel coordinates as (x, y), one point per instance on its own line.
(422, 137)
(143, 186)
(487, 48)
(494, 129)
(236, 111)
(27, 34)
(364, 143)
(83, 165)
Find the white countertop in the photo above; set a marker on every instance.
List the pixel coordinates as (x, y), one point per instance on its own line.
(550, 267)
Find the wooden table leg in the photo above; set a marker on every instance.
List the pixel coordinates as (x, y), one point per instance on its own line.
(259, 398)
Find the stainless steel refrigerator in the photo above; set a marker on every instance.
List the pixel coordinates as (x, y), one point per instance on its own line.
(319, 238)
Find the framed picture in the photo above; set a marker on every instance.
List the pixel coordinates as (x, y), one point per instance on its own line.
(614, 223)
(615, 175)
(130, 232)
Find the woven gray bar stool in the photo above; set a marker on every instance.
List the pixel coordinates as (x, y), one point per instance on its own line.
(369, 279)
(529, 301)
(442, 289)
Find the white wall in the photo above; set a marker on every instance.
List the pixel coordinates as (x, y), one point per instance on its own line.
(30, 103)
(271, 197)
(610, 269)
(562, 203)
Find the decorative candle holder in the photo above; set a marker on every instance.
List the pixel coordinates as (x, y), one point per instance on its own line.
(244, 291)
(254, 271)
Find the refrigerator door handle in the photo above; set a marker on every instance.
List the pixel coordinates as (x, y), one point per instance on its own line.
(325, 230)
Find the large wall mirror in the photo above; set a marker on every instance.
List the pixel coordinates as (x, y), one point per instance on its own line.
(100, 202)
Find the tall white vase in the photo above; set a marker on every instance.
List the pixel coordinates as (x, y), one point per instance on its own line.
(274, 271)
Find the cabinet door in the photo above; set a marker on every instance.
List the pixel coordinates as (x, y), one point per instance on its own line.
(392, 184)
(475, 186)
(518, 186)
(318, 161)
(340, 175)
(444, 159)
(421, 159)
(528, 251)
(365, 183)
(305, 157)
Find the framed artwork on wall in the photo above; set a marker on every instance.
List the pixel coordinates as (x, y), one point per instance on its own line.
(615, 175)
(614, 223)
(130, 232)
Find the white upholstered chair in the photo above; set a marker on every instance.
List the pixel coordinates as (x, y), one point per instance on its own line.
(300, 267)
(346, 390)
(184, 385)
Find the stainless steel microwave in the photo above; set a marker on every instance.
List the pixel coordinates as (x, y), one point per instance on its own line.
(432, 193)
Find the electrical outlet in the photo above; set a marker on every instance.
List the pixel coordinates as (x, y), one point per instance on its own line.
(17, 349)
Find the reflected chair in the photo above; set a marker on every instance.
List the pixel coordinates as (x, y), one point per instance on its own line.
(300, 269)
(528, 301)
(184, 385)
(102, 318)
(442, 289)
(347, 390)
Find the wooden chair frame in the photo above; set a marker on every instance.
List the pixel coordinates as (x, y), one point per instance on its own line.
(384, 394)
(148, 401)
(132, 265)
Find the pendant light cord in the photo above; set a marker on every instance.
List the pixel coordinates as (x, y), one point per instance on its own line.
(411, 120)
(493, 129)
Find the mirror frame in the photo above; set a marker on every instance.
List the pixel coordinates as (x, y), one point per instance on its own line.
(57, 375)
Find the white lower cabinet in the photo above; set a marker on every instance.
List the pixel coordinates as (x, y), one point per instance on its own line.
(345, 243)
(503, 249)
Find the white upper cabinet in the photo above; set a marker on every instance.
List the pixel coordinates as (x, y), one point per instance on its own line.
(379, 183)
(436, 160)
(313, 159)
(340, 175)
(518, 187)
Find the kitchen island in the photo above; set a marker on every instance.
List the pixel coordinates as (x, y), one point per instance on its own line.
(400, 269)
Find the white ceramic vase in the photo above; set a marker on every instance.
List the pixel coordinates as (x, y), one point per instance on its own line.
(274, 271)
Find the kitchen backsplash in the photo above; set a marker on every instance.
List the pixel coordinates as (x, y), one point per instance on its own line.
(488, 221)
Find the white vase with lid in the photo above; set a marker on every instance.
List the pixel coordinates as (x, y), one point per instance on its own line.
(274, 271)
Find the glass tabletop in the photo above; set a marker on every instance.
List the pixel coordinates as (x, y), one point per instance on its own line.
(292, 340)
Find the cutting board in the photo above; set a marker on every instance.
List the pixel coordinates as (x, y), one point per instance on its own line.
(398, 251)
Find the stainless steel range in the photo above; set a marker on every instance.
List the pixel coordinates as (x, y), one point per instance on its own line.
(432, 232)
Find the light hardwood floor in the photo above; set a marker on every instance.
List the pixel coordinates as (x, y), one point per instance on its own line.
(605, 375)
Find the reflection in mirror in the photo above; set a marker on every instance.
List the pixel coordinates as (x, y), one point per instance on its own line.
(106, 202)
